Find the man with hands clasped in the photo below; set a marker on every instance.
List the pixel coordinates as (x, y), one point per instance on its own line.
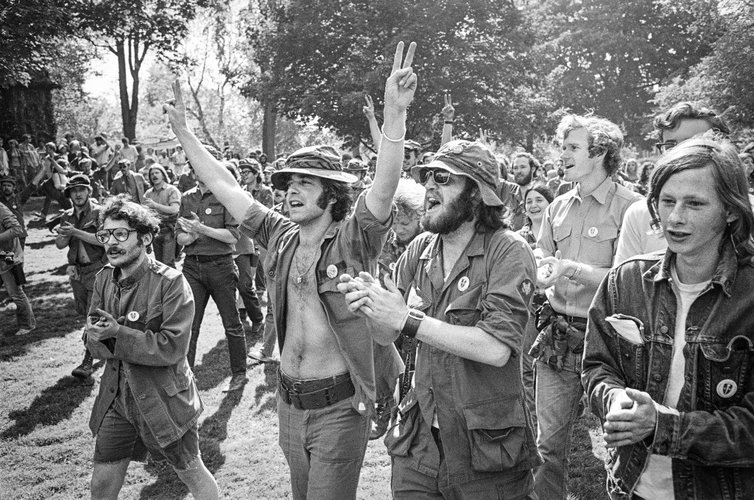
(326, 381)
(463, 290)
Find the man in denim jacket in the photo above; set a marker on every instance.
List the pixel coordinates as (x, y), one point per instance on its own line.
(669, 348)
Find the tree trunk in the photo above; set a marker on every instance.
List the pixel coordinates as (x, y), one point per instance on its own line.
(269, 127)
(125, 111)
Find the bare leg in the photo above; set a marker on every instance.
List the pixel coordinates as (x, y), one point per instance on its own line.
(199, 480)
(107, 479)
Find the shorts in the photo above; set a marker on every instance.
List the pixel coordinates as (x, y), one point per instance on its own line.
(124, 434)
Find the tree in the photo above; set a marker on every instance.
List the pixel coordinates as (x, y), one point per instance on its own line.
(318, 58)
(132, 29)
(610, 56)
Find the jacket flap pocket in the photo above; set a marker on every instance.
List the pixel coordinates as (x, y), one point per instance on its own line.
(495, 414)
(328, 283)
(467, 301)
(718, 353)
(603, 233)
(561, 231)
(177, 384)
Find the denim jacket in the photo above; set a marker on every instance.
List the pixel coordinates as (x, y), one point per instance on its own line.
(710, 437)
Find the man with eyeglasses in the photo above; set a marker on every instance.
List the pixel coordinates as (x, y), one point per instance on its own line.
(411, 152)
(463, 290)
(140, 323)
(578, 237)
(85, 254)
(679, 123)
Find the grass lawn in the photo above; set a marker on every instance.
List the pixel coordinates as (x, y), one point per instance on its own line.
(45, 442)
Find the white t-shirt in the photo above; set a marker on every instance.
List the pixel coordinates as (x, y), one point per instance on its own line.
(657, 479)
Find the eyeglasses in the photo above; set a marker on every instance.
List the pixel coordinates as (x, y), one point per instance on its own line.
(666, 146)
(120, 233)
(441, 177)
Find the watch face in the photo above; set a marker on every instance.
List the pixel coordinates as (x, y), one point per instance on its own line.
(413, 313)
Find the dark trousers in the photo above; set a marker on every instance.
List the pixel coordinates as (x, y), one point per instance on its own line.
(48, 189)
(216, 278)
(247, 270)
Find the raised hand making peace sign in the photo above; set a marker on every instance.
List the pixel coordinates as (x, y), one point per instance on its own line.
(400, 87)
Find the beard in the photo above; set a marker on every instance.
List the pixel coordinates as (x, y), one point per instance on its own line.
(523, 180)
(459, 210)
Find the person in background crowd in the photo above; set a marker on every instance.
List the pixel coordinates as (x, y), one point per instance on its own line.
(85, 254)
(412, 151)
(358, 169)
(679, 123)
(209, 234)
(49, 180)
(128, 152)
(326, 380)
(463, 290)
(11, 256)
(577, 239)
(29, 156)
(139, 322)
(668, 351)
(268, 175)
(629, 172)
(140, 159)
(165, 200)
(15, 165)
(128, 182)
(187, 180)
(163, 159)
(525, 169)
(4, 165)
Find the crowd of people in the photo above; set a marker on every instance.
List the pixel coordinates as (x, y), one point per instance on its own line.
(468, 307)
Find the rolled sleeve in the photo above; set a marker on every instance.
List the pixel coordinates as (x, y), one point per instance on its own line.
(259, 223)
(371, 230)
(545, 240)
(505, 306)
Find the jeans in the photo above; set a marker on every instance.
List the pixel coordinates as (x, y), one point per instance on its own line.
(218, 279)
(558, 394)
(24, 314)
(164, 247)
(247, 270)
(324, 449)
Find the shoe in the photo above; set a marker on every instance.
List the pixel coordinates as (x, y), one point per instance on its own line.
(237, 382)
(24, 331)
(380, 422)
(258, 355)
(85, 369)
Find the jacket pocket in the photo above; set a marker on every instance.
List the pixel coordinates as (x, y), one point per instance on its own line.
(327, 287)
(726, 371)
(404, 428)
(497, 434)
(600, 247)
(466, 310)
(632, 357)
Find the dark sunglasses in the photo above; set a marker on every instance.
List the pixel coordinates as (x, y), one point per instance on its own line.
(441, 177)
(665, 146)
(120, 233)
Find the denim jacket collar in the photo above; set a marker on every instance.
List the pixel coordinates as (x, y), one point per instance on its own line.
(725, 272)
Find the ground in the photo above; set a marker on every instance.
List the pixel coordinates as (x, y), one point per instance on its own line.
(45, 442)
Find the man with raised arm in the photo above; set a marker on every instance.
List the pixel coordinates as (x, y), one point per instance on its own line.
(326, 381)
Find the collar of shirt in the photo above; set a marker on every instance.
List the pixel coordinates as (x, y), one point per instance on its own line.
(725, 272)
(600, 194)
(433, 260)
(130, 281)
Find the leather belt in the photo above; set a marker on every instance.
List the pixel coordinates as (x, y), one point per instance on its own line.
(209, 258)
(317, 393)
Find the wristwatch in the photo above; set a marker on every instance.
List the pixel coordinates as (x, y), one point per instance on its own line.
(413, 320)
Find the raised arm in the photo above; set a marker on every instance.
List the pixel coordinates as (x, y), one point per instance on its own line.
(399, 92)
(448, 115)
(209, 170)
(374, 127)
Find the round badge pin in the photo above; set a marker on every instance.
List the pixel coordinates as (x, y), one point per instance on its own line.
(133, 316)
(463, 284)
(208, 211)
(593, 231)
(392, 266)
(332, 271)
(727, 388)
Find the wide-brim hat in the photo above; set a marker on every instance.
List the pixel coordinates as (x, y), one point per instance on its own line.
(317, 161)
(472, 160)
(78, 180)
(356, 166)
(7, 178)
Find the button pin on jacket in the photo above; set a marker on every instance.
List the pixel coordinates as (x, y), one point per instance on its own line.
(593, 231)
(463, 284)
(726, 388)
(332, 271)
(208, 211)
(133, 316)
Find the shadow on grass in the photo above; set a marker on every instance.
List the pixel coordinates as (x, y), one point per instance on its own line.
(586, 471)
(215, 367)
(41, 244)
(212, 433)
(54, 405)
(53, 271)
(264, 395)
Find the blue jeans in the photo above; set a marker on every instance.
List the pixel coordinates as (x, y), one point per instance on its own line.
(24, 313)
(557, 394)
(218, 279)
(324, 449)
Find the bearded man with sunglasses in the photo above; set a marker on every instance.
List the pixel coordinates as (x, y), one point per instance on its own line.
(463, 290)
(140, 322)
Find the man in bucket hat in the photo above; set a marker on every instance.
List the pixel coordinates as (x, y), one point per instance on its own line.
(463, 290)
(86, 256)
(326, 381)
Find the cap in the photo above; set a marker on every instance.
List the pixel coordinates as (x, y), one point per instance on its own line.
(356, 166)
(157, 166)
(78, 180)
(472, 160)
(7, 178)
(249, 164)
(318, 161)
(412, 145)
